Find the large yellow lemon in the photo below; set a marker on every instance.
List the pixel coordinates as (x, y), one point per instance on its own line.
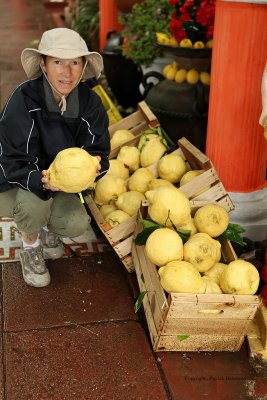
(164, 245)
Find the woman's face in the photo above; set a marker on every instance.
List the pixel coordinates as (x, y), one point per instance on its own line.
(64, 75)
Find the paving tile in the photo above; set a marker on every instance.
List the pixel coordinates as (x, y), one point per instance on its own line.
(198, 376)
(82, 290)
(72, 363)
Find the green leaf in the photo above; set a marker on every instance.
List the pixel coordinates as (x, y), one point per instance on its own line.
(142, 237)
(148, 228)
(182, 337)
(142, 278)
(233, 234)
(148, 224)
(139, 300)
(184, 234)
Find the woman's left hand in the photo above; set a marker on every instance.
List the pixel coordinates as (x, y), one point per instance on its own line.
(46, 184)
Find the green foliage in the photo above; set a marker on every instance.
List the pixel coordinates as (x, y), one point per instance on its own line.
(140, 27)
(87, 23)
(233, 233)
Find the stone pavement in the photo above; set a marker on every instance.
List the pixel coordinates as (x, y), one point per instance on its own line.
(79, 338)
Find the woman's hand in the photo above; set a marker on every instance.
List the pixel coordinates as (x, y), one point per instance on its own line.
(46, 184)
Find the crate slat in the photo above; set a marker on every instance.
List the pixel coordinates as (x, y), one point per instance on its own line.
(200, 343)
(148, 313)
(187, 326)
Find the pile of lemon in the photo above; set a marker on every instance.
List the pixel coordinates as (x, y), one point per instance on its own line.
(192, 76)
(168, 40)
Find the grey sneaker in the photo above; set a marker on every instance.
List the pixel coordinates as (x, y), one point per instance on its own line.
(33, 266)
(53, 247)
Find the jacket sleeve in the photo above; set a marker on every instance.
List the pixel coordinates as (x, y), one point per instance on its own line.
(19, 148)
(94, 135)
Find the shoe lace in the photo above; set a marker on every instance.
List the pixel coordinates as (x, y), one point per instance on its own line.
(36, 260)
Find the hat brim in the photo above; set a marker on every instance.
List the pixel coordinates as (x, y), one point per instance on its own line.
(31, 58)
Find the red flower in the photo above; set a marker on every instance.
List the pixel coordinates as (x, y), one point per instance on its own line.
(193, 19)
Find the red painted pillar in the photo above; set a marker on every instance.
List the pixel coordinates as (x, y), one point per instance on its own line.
(108, 20)
(235, 140)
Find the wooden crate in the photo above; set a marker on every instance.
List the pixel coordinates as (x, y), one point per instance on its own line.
(212, 322)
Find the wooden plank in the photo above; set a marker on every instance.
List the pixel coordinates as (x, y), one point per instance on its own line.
(200, 343)
(156, 295)
(128, 263)
(257, 350)
(208, 311)
(146, 306)
(194, 156)
(206, 298)
(204, 326)
(122, 230)
(127, 123)
(201, 182)
(125, 247)
(228, 254)
(149, 116)
(261, 321)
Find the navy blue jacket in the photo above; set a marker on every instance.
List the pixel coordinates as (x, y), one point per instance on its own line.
(31, 136)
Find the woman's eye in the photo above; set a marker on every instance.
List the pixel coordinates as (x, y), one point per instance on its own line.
(57, 62)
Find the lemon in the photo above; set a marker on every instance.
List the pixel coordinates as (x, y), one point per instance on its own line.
(171, 74)
(181, 277)
(107, 209)
(162, 38)
(215, 272)
(186, 43)
(171, 167)
(212, 219)
(166, 69)
(116, 217)
(202, 251)
(205, 78)
(73, 170)
(209, 44)
(130, 201)
(240, 277)
(192, 76)
(212, 286)
(164, 245)
(168, 205)
(173, 41)
(180, 75)
(199, 45)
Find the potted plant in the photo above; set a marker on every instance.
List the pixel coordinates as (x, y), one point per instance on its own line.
(86, 23)
(140, 26)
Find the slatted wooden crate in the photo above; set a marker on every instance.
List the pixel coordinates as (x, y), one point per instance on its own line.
(210, 322)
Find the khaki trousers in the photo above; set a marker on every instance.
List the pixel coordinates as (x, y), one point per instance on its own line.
(64, 214)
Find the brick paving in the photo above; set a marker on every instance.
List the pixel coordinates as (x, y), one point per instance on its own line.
(79, 338)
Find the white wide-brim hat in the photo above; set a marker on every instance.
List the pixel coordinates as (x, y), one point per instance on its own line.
(61, 43)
